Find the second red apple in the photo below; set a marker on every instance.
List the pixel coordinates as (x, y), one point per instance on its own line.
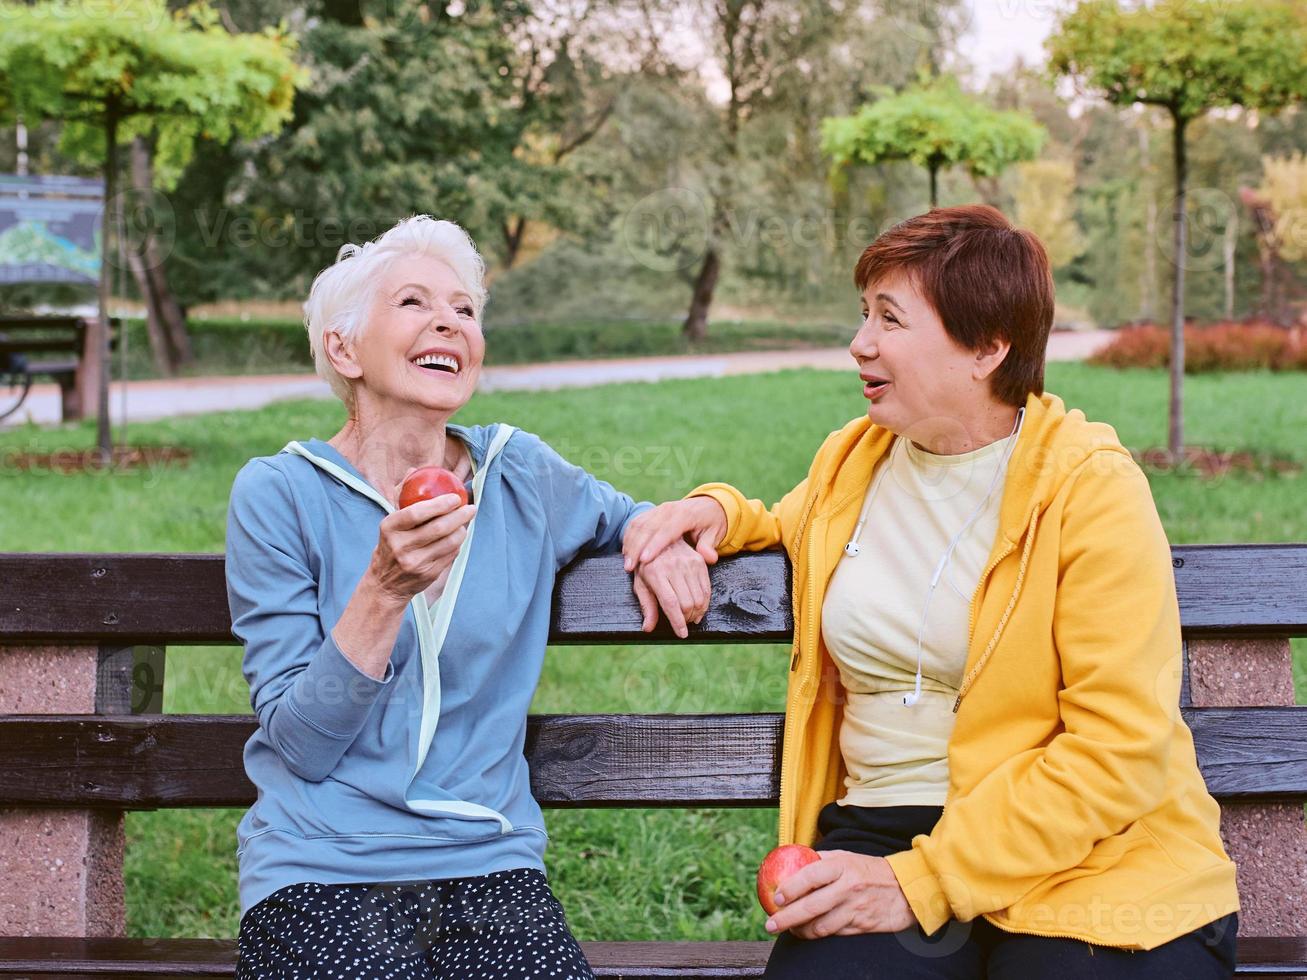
(778, 865)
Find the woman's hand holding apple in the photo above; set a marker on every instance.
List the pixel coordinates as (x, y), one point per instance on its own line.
(843, 894)
(417, 544)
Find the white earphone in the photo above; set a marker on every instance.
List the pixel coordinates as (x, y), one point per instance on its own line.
(852, 550)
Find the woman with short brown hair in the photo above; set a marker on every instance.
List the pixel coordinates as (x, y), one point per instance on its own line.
(982, 737)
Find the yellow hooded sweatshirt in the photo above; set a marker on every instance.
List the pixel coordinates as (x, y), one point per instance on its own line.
(1075, 807)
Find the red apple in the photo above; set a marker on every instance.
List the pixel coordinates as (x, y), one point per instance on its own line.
(429, 482)
(776, 867)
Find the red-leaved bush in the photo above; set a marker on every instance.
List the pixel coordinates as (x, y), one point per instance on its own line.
(1224, 346)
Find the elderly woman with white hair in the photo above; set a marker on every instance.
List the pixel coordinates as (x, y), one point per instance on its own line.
(392, 652)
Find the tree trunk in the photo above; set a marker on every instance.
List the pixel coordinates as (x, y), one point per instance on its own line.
(1281, 313)
(151, 276)
(1175, 440)
(1148, 271)
(695, 328)
(513, 232)
(1228, 252)
(934, 185)
(1267, 248)
(1270, 272)
(347, 12)
(153, 328)
(103, 437)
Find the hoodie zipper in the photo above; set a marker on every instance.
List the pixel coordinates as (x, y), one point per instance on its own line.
(971, 621)
(971, 675)
(798, 540)
(971, 612)
(428, 646)
(1011, 604)
(811, 599)
(794, 660)
(1046, 935)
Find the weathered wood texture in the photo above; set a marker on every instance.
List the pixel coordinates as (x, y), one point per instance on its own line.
(162, 599)
(1254, 758)
(57, 959)
(148, 761)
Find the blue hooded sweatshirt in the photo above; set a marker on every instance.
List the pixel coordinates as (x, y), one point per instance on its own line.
(418, 775)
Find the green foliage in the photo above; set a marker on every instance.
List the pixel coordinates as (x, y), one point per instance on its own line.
(934, 124)
(1186, 55)
(465, 115)
(244, 347)
(677, 159)
(1044, 206)
(175, 76)
(410, 112)
(1285, 191)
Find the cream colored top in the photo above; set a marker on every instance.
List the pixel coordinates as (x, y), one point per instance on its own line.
(896, 755)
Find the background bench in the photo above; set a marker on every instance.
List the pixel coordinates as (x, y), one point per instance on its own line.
(62, 348)
(82, 642)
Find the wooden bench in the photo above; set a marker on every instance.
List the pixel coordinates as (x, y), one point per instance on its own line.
(70, 358)
(82, 642)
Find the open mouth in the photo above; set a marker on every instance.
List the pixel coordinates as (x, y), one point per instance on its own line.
(874, 387)
(444, 363)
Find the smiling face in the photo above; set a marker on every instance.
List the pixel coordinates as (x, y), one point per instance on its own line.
(918, 380)
(421, 346)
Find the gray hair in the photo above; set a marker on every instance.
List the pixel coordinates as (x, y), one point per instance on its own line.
(342, 293)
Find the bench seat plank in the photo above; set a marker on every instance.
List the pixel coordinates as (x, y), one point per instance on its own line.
(46, 345)
(51, 367)
(721, 760)
(52, 959)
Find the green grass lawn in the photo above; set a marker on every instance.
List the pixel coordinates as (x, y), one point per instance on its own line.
(620, 874)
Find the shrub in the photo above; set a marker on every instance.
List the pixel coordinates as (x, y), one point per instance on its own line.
(1224, 346)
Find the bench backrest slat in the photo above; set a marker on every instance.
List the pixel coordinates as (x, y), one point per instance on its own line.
(53, 334)
(576, 760)
(98, 625)
(162, 599)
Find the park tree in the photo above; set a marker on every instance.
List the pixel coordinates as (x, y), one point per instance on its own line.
(756, 44)
(471, 112)
(1279, 213)
(408, 111)
(735, 179)
(113, 74)
(1285, 188)
(934, 124)
(1222, 153)
(574, 64)
(1188, 57)
(1044, 204)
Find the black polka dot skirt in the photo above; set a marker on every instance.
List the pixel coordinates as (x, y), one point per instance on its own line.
(502, 926)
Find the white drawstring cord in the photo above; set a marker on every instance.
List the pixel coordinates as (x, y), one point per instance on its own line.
(852, 550)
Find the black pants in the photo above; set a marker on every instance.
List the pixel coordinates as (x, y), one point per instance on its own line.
(976, 950)
(502, 926)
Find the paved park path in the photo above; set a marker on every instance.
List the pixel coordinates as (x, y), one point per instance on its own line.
(149, 400)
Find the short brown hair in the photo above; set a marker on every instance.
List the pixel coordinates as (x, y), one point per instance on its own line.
(987, 281)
